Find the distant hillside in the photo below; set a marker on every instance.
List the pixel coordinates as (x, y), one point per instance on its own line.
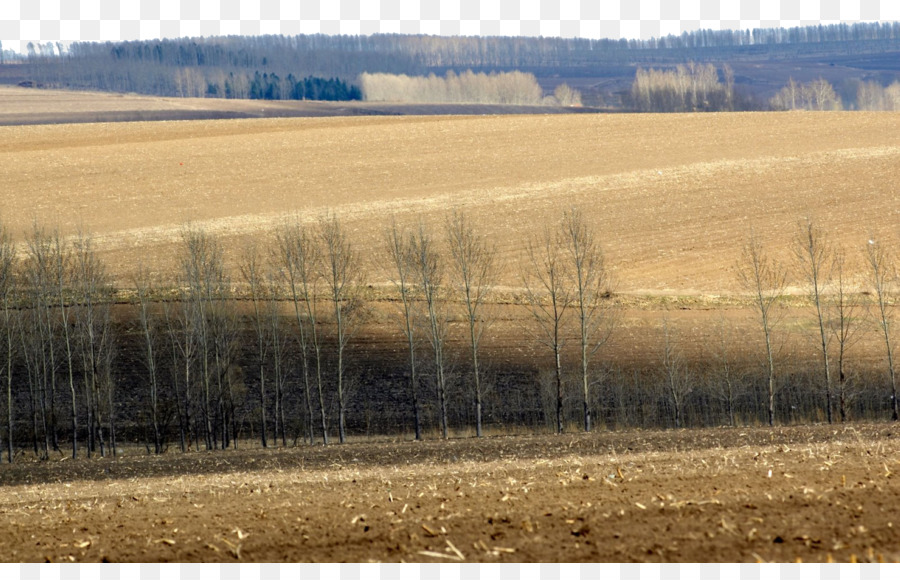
(763, 61)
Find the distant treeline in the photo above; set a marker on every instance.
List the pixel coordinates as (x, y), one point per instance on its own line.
(155, 67)
(509, 88)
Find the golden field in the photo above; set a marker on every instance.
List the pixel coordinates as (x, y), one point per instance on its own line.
(672, 196)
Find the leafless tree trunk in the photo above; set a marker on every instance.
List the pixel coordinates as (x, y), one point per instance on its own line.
(549, 298)
(7, 296)
(343, 278)
(92, 323)
(844, 328)
(400, 250)
(815, 258)
(881, 270)
(38, 335)
(596, 318)
(183, 347)
(41, 269)
(677, 384)
(276, 333)
(202, 269)
(62, 275)
(299, 257)
(429, 272)
(251, 270)
(765, 280)
(476, 274)
(150, 333)
(725, 374)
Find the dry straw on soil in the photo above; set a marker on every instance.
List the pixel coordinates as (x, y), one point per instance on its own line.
(671, 196)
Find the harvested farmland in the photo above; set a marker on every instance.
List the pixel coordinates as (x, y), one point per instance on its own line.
(671, 196)
(672, 200)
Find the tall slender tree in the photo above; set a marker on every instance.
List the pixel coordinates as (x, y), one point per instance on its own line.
(343, 280)
(765, 279)
(252, 271)
(549, 298)
(678, 385)
(93, 330)
(475, 270)
(7, 297)
(815, 258)
(591, 285)
(299, 257)
(150, 338)
(845, 329)
(429, 272)
(204, 278)
(400, 249)
(882, 275)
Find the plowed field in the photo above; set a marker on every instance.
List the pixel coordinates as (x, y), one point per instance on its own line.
(672, 196)
(809, 493)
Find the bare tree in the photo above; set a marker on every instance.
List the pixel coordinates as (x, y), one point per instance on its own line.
(591, 284)
(400, 250)
(40, 335)
(343, 279)
(299, 257)
(252, 271)
(549, 299)
(278, 355)
(476, 273)
(150, 334)
(93, 336)
(815, 259)
(726, 374)
(845, 329)
(678, 385)
(765, 279)
(180, 326)
(429, 272)
(61, 275)
(882, 272)
(7, 296)
(203, 272)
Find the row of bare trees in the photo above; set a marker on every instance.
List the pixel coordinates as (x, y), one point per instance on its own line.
(193, 359)
(817, 95)
(872, 96)
(511, 88)
(838, 312)
(58, 341)
(687, 88)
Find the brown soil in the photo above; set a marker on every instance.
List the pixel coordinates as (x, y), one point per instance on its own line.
(749, 494)
(672, 196)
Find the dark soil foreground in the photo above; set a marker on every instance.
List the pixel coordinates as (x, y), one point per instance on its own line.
(815, 493)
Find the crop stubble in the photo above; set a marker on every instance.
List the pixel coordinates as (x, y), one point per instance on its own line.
(751, 494)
